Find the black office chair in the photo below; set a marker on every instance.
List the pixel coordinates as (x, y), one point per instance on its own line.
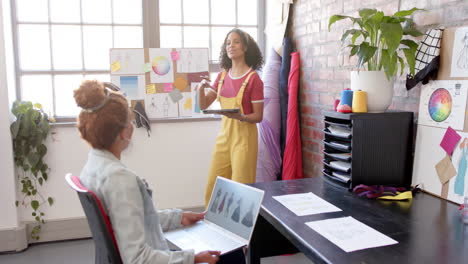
(107, 251)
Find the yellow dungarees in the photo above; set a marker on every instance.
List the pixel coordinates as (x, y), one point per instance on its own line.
(235, 152)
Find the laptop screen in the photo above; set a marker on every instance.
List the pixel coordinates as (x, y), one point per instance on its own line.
(234, 206)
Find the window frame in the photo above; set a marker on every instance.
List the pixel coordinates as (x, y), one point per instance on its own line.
(151, 39)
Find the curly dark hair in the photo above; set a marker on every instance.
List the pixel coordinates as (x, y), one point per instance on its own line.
(253, 55)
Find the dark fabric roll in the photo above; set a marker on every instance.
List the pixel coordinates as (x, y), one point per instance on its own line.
(284, 76)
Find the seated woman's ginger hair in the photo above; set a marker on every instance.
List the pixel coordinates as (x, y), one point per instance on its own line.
(104, 115)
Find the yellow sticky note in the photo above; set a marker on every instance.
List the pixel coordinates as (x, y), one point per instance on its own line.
(115, 66)
(151, 88)
(188, 104)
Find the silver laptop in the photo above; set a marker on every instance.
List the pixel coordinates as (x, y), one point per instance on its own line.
(229, 220)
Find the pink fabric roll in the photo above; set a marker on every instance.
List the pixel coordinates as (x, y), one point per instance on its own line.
(269, 155)
(292, 160)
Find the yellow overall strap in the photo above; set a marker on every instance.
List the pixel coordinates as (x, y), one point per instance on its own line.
(241, 91)
(220, 84)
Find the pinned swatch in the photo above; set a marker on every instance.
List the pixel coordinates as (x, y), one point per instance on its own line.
(168, 87)
(175, 95)
(180, 83)
(147, 67)
(450, 140)
(188, 104)
(115, 66)
(151, 88)
(175, 55)
(445, 170)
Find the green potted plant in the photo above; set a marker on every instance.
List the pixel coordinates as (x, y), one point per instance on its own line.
(29, 131)
(381, 46)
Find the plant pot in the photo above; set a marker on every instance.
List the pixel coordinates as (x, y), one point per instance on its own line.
(378, 88)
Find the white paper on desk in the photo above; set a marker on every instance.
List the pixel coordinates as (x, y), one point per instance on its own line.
(306, 204)
(349, 234)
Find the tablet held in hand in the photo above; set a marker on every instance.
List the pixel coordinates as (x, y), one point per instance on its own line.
(221, 111)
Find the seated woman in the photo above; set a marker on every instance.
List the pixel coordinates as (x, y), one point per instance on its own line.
(105, 122)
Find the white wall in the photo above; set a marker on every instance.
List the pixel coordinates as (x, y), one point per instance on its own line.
(174, 161)
(8, 219)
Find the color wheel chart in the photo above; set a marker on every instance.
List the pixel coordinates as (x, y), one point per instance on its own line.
(161, 65)
(440, 105)
(443, 104)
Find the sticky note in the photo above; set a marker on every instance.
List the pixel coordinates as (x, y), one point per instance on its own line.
(175, 55)
(450, 140)
(168, 87)
(176, 95)
(188, 104)
(180, 83)
(147, 67)
(445, 169)
(115, 66)
(151, 88)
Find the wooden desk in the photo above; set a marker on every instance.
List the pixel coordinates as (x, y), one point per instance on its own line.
(428, 229)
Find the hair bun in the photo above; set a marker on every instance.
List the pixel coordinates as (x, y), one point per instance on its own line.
(90, 94)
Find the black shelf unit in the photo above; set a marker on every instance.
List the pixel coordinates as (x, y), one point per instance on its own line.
(379, 147)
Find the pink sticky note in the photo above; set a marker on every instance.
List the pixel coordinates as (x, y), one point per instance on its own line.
(450, 140)
(175, 55)
(168, 87)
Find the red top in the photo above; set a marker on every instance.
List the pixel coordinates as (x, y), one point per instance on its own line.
(253, 93)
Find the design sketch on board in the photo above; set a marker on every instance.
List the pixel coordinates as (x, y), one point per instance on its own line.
(192, 60)
(185, 105)
(443, 103)
(131, 60)
(459, 187)
(459, 65)
(160, 106)
(196, 111)
(462, 61)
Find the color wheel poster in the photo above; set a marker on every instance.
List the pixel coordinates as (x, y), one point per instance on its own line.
(161, 66)
(443, 104)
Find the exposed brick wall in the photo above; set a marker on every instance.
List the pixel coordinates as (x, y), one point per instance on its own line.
(325, 70)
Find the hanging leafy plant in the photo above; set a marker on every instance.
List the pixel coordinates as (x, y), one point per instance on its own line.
(379, 41)
(29, 131)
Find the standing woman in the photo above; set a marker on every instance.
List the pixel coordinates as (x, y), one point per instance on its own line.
(237, 86)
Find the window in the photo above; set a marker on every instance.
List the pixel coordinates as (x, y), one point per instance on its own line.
(58, 43)
(205, 23)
